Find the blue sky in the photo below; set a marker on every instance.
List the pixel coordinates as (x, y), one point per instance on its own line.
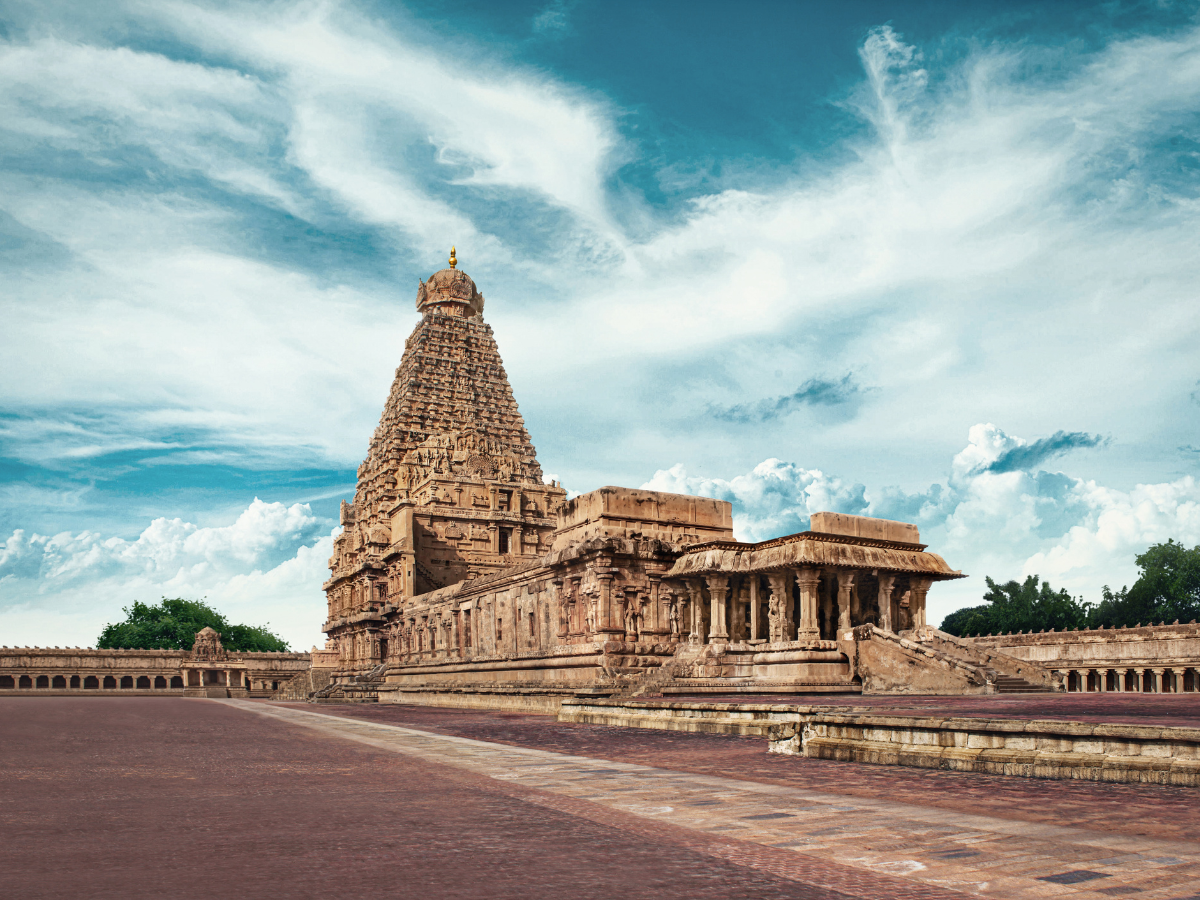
(930, 261)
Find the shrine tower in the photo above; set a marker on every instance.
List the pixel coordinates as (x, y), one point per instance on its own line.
(451, 488)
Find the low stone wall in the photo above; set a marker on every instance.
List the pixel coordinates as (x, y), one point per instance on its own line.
(1035, 749)
(79, 671)
(1148, 659)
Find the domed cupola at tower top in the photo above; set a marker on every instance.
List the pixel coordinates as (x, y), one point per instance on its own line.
(449, 292)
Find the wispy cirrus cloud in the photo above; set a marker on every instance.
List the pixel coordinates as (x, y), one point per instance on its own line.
(814, 392)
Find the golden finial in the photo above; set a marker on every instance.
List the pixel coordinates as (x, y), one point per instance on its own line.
(453, 259)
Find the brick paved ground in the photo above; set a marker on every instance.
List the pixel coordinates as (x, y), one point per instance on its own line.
(1131, 809)
(165, 797)
(1136, 709)
(822, 837)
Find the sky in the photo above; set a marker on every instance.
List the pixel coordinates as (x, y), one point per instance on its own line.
(930, 261)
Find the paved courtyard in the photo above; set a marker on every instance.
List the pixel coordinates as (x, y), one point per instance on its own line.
(158, 797)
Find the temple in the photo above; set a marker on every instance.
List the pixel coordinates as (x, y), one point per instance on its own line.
(460, 571)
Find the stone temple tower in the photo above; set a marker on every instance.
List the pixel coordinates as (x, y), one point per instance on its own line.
(451, 489)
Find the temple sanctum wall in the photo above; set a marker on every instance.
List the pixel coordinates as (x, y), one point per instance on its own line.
(460, 572)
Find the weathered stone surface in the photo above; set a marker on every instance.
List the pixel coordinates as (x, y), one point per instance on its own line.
(55, 670)
(460, 571)
(1145, 659)
(1035, 749)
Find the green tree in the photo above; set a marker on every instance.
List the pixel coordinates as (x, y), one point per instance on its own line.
(1016, 606)
(173, 623)
(1167, 589)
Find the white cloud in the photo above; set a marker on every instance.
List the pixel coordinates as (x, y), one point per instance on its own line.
(1074, 533)
(774, 498)
(266, 566)
(991, 243)
(1119, 524)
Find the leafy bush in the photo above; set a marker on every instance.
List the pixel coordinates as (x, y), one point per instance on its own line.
(173, 623)
(1018, 606)
(1167, 590)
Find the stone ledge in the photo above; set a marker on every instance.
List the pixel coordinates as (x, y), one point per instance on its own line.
(1027, 748)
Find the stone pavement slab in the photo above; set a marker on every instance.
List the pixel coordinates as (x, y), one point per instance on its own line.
(1169, 812)
(824, 837)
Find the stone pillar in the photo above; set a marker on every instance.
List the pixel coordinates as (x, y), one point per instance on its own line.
(885, 601)
(559, 601)
(781, 595)
(737, 610)
(1122, 674)
(1103, 681)
(1156, 681)
(845, 588)
(605, 578)
(653, 606)
(518, 548)
(696, 597)
(809, 581)
(918, 590)
(718, 588)
(830, 589)
(754, 632)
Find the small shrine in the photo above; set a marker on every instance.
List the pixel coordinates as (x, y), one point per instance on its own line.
(209, 670)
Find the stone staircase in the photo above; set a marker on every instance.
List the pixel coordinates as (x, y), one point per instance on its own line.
(1011, 684)
(361, 689)
(1008, 674)
(303, 685)
(931, 661)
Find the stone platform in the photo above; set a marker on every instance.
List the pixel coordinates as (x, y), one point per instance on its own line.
(1166, 751)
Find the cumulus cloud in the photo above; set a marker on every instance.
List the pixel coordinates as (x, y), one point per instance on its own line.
(1004, 523)
(774, 498)
(266, 565)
